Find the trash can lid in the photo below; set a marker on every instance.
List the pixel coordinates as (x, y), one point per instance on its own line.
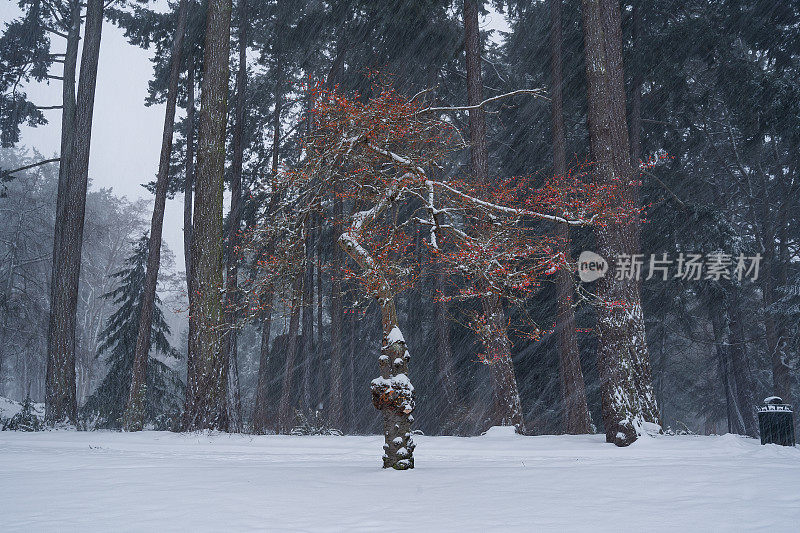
(772, 400)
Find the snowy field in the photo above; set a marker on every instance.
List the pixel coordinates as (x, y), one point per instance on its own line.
(152, 481)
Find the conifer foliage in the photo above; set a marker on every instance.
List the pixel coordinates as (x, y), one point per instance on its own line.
(164, 390)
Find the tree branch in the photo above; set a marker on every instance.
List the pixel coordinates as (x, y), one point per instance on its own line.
(535, 92)
(512, 211)
(5, 173)
(56, 32)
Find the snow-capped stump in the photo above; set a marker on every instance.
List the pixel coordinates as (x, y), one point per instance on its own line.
(393, 396)
(395, 393)
(395, 336)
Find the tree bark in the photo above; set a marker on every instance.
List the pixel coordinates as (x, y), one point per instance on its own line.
(718, 318)
(628, 400)
(319, 351)
(636, 92)
(67, 125)
(742, 389)
(60, 399)
(774, 334)
(234, 223)
(57, 378)
(307, 404)
(134, 411)
(575, 416)
(261, 411)
(261, 422)
(335, 398)
(504, 383)
(478, 153)
(392, 392)
(350, 398)
(284, 408)
(191, 371)
(209, 410)
(506, 404)
(444, 357)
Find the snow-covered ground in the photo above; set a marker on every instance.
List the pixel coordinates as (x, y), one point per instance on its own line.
(152, 481)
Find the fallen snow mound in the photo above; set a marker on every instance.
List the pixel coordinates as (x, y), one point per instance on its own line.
(156, 481)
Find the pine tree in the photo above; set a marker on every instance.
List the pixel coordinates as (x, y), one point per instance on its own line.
(24, 55)
(206, 403)
(61, 400)
(628, 398)
(163, 389)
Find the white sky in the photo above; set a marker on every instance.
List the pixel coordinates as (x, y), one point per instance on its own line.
(126, 136)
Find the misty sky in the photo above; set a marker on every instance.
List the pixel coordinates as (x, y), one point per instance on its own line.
(126, 134)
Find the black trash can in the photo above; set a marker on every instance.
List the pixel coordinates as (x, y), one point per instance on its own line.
(775, 422)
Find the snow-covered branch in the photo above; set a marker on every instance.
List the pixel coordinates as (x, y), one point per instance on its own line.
(512, 211)
(536, 92)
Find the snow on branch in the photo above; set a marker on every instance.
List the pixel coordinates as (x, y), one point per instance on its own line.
(511, 210)
(540, 93)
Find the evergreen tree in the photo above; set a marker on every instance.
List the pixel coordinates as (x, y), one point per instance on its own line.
(164, 390)
(24, 56)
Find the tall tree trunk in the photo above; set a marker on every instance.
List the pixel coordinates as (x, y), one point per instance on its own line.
(506, 404)
(307, 405)
(782, 279)
(350, 398)
(209, 410)
(133, 419)
(504, 382)
(67, 125)
(335, 407)
(191, 371)
(739, 372)
(261, 422)
(444, 358)
(718, 317)
(234, 222)
(636, 91)
(285, 417)
(261, 409)
(575, 416)
(335, 398)
(774, 334)
(319, 343)
(478, 154)
(628, 400)
(60, 400)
